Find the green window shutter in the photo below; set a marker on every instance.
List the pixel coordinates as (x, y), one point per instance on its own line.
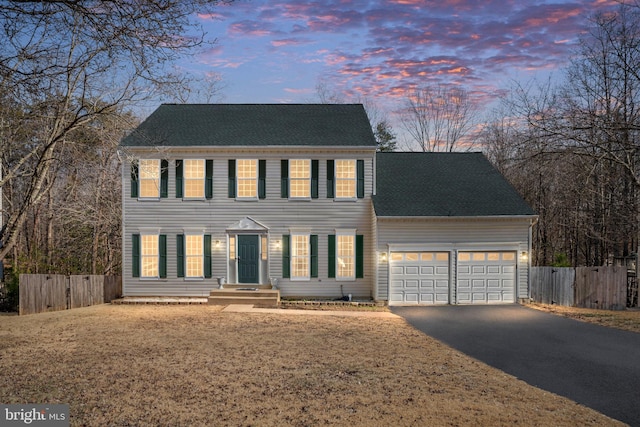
(262, 179)
(180, 254)
(314, 179)
(207, 256)
(284, 179)
(360, 176)
(330, 175)
(134, 179)
(232, 179)
(313, 240)
(135, 255)
(286, 268)
(332, 255)
(162, 250)
(179, 174)
(208, 183)
(359, 256)
(164, 178)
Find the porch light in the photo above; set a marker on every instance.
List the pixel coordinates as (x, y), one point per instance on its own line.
(278, 244)
(524, 255)
(218, 244)
(383, 257)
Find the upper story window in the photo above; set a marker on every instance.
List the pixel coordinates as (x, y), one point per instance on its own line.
(149, 177)
(300, 178)
(194, 178)
(345, 179)
(247, 179)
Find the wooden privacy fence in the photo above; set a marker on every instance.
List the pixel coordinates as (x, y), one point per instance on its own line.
(588, 287)
(53, 292)
(552, 285)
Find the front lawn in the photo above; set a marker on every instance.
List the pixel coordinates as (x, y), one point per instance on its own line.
(196, 365)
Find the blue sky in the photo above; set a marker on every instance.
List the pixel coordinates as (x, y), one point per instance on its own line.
(277, 51)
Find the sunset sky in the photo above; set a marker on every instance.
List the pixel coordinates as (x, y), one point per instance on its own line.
(277, 51)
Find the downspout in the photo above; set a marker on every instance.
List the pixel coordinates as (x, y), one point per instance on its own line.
(530, 250)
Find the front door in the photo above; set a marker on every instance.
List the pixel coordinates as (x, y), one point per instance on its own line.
(248, 258)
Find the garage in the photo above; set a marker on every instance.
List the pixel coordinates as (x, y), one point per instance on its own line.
(486, 277)
(419, 278)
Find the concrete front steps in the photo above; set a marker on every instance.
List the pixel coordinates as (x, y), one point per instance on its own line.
(258, 295)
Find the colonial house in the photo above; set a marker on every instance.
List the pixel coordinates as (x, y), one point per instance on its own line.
(298, 196)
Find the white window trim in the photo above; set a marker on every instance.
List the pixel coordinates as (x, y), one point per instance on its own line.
(186, 256)
(140, 179)
(184, 179)
(142, 256)
(346, 232)
(300, 179)
(307, 277)
(354, 179)
(255, 178)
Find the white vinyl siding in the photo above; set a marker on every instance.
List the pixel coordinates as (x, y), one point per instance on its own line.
(214, 216)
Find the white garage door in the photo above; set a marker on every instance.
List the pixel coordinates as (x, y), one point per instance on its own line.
(419, 278)
(486, 277)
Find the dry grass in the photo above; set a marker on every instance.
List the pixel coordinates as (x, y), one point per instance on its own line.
(628, 320)
(195, 365)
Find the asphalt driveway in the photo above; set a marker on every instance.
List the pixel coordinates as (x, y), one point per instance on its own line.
(593, 365)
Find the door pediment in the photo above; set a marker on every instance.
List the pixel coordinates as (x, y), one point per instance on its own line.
(247, 225)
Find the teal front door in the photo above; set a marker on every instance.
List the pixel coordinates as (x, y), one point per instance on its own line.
(248, 259)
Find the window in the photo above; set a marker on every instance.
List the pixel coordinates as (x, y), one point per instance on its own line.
(194, 178)
(232, 247)
(149, 170)
(247, 178)
(149, 255)
(300, 256)
(194, 255)
(345, 179)
(300, 178)
(263, 248)
(346, 255)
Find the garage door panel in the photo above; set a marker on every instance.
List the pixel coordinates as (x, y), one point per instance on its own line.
(411, 270)
(427, 270)
(494, 269)
(397, 270)
(411, 284)
(478, 269)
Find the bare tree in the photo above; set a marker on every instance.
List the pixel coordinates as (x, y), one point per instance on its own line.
(437, 118)
(65, 64)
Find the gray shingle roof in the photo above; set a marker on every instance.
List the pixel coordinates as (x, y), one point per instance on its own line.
(254, 125)
(443, 184)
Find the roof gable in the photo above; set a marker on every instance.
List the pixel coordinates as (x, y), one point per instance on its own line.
(443, 185)
(254, 125)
